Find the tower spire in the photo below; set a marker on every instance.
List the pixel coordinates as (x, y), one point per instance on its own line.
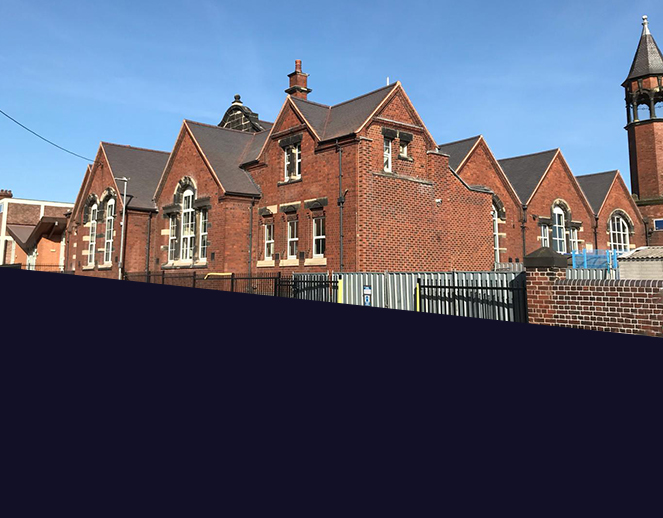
(648, 60)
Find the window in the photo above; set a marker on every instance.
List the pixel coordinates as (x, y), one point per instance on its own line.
(658, 224)
(575, 244)
(387, 155)
(269, 241)
(93, 235)
(172, 238)
(203, 233)
(619, 238)
(402, 148)
(293, 240)
(319, 237)
(293, 162)
(188, 225)
(108, 242)
(558, 231)
(545, 233)
(496, 237)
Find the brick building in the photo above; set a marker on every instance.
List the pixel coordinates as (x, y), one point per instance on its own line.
(32, 232)
(358, 186)
(94, 231)
(644, 115)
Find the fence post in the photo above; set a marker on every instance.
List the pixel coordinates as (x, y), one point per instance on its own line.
(163, 276)
(417, 296)
(339, 291)
(277, 282)
(194, 279)
(232, 282)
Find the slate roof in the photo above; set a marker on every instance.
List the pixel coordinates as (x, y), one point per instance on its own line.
(596, 186)
(525, 172)
(342, 119)
(143, 167)
(648, 59)
(225, 150)
(458, 150)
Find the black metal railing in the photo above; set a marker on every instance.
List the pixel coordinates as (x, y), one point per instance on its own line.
(277, 285)
(504, 303)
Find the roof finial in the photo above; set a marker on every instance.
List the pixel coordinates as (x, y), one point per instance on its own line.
(645, 24)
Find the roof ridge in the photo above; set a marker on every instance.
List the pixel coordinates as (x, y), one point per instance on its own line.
(614, 171)
(529, 155)
(250, 133)
(310, 102)
(459, 141)
(134, 147)
(394, 85)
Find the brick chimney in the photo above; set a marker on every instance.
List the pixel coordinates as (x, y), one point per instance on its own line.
(5, 194)
(298, 80)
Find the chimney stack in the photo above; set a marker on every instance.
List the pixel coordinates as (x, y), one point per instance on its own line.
(298, 82)
(5, 194)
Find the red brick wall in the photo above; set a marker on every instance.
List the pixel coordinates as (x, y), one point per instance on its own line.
(628, 306)
(619, 198)
(646, 149)
(558, 183)
(481, 169)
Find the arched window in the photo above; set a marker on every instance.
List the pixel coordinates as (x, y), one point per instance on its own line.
(93, 235)
(619, 233)
(108, 241)
(188, 225)
(496, 237)
(658, 108)
(643, 111)
(559, 230)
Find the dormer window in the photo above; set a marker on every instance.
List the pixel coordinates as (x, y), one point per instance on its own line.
(293, 162)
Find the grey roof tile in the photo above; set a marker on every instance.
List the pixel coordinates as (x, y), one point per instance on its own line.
(143, 167)
(648, 59)
(226, 150)
(596, 186)
(458, 150)
(525, 172)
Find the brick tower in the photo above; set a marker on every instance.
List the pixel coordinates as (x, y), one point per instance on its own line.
(644, 114)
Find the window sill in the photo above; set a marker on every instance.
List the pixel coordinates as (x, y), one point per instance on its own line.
(184, 265)
(288, 182)
(88, 267)
(406, 158)
(266, 264)
(105, 266)
(289, 262)
(316, 261)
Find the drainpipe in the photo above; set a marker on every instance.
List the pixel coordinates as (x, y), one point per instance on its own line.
(523, 227)
(147, 246)
(341, 200)
(596, 232)
(253, 202)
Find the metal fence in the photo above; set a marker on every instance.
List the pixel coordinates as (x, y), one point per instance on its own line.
(592, 274)
(314, 288)
(395, 290)
(486, 300)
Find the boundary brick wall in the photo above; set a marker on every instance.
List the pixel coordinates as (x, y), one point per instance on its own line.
(623, 306)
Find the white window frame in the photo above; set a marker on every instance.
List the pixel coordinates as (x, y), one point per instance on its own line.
(402, 148)
(319, 236)
(658, 225)
(296, 151)
(619, 234)
(92, 246)
(188, 233)
(293, 239)
(269, 241)
(559, 231)
(172, 238)
(545, 236)
(573, 239)
(496, 236)
(204, 225)
(386, 155)
(108, 242)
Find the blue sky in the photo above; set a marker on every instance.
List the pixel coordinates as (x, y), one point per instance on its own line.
(528, 76)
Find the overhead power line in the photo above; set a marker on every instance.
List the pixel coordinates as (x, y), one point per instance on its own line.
(45, 139)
